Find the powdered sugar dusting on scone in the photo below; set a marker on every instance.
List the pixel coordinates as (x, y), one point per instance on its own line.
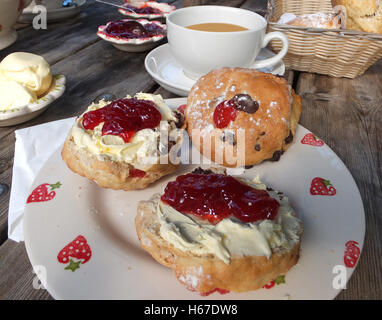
(192, 277)
(274, 104)
(221, 84)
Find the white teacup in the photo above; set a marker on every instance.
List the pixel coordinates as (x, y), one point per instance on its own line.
(199, 52)
(9, 12)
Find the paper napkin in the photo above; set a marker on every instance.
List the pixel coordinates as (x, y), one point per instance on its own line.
(34, 146)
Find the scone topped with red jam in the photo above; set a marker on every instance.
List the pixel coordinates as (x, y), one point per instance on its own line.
(118, 143)
(212, 229)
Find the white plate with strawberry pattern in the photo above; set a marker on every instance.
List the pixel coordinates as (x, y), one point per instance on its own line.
(82, 243)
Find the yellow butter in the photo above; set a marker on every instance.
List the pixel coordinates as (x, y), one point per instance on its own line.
(30, 70)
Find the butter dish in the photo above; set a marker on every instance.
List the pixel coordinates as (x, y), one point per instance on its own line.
(31, 110)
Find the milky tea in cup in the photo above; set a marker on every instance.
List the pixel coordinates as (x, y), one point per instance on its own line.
(203, 38)
(217, 27)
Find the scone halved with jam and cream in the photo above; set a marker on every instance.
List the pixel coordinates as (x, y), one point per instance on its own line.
(219, 232)
(120, 145)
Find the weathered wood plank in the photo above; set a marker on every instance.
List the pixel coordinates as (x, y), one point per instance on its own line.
(61, 39)
(259, 6)
(347, 114)
(17, 276)
(6, 164)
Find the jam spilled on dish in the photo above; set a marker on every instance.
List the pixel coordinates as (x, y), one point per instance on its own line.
(127, 29)
(123, 117)
(145, 9)
(214, 197)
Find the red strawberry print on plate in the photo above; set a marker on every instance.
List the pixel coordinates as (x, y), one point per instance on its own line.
(44, 192)
(312, 140)
(279, 280)
(322, 187)
(269, 285)
(75, 253)
(221, 291)
(352, 253)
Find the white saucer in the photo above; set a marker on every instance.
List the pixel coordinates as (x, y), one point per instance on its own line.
(54, 15)
(161, 65)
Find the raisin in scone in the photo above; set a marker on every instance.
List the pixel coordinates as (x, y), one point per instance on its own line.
(219, 232)
(238, 117)
(118, 143)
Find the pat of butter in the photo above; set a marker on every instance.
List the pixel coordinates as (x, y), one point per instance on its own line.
(14, 95)
(29, 70)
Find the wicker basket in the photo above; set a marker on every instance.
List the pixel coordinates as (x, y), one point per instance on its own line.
(337, 53)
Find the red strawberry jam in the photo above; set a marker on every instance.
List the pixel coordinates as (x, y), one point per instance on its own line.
(136, 173)
(145, 9)
(124, 117)
(214, 197)
(224, 113)
(128, 29)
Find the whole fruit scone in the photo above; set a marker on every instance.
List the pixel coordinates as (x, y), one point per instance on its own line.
(238, 117)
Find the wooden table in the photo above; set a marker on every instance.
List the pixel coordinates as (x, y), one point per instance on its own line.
(347, 114)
